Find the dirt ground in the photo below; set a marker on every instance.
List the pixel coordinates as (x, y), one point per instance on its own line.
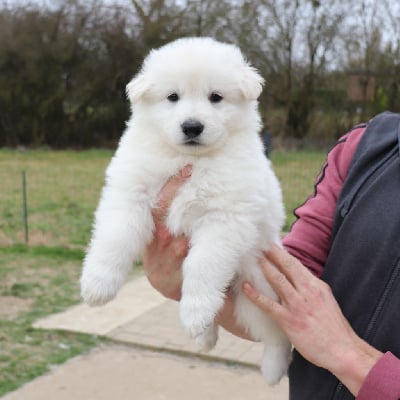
(11, 306)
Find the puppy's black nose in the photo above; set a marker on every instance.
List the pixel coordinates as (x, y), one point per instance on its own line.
(192, 128)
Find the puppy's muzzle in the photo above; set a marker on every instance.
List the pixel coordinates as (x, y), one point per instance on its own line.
(192, 128)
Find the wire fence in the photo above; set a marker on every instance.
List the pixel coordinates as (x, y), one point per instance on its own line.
(48, 198)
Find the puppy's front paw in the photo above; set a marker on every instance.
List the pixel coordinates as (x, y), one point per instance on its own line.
(208, 338)
(98, 289)
(197, 314)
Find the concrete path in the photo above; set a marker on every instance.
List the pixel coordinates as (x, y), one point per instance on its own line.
(152, 357)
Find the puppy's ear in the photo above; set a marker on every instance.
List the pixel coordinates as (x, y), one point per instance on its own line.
(251, 83)
(137, 87)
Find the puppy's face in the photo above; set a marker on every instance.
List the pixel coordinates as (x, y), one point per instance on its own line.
(195, 93)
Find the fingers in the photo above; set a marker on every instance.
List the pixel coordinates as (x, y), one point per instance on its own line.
(289, 266)
(279, 269)
(278, 281)
(162, 235)
(266, 304)
(165, 197)
(180, 247)
(290, 280)
(163, 257)
(282, 287)
(169, 191)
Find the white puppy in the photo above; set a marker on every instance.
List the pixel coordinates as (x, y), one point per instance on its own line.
(194, 102)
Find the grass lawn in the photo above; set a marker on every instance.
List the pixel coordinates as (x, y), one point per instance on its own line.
(63, 189)
(35, 282)
(297, 172)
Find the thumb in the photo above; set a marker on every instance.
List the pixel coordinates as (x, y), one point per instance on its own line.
(169, 191)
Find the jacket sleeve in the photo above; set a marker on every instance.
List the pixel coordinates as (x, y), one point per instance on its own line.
(383, 381)
(310, 235)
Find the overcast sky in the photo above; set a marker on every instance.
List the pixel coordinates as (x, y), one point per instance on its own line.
(50, 2)
(385, 8)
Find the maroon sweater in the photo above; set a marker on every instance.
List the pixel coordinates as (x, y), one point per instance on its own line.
(309, 241)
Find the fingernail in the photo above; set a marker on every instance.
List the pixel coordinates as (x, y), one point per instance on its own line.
(186, 171)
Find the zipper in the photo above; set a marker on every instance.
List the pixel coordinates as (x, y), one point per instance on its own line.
(394, 275)
(338, 389)
(393, 153)
(388, 288)
(369, 332)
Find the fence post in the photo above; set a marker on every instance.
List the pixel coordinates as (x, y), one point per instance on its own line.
(25, 207)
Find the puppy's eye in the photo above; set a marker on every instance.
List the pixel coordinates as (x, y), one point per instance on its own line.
(215, 97)
(173, 97)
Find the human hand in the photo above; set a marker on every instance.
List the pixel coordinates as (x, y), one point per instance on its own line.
(163, 257)
(310, 316)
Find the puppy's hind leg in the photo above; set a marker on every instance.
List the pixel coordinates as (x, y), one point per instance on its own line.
(275, 360)
(277, 348)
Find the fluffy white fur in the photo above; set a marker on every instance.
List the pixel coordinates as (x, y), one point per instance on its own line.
(231, 207)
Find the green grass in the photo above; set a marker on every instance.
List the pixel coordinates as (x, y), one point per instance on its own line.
(35, 281)
(63, 188)
(297, 172)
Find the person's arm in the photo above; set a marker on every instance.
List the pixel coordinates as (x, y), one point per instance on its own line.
(310, 316)
(163, 257)
(309, 237)
(383, 381)
(377, 378)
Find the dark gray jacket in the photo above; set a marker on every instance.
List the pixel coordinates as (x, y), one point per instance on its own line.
(363, 265)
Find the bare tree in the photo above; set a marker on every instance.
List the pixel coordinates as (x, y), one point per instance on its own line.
(207, 18)
(372, 50)
(65, 66)
(291, 41)
(157, 22)
(392, 12)
(319, 26)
